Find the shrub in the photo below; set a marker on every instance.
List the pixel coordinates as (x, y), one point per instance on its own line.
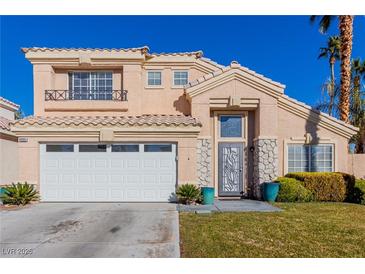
(292, 190)
(325, 186)
(358, 194)
(19, 194)
(349, 183)
(188, 193)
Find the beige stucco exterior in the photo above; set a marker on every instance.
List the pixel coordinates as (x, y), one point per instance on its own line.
(9, 160)
(213, 90)
(8, 143)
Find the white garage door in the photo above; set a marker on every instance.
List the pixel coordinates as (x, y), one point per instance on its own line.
(113, 172)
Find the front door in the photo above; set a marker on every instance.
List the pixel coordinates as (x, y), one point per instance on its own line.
(230, 169)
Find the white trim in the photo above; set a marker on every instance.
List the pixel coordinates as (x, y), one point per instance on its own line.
(148, 86)
(322, 141)
(173, 78)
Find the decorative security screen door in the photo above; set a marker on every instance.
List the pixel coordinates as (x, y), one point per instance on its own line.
(230, 169)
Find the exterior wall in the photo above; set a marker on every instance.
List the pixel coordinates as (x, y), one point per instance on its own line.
(8, 161)
(142, 99)
(262, 124)
(292, 129)
(356, 165)
(29, 161)
(6, 113)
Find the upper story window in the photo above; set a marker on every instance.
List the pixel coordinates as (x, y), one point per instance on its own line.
(91, 85)
(180, 78)
(310, 157)
(154, 78)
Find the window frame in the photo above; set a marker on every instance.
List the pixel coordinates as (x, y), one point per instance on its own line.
(243, 133)
(126, 144)
(63, 144)
(333, 158)
(157, 144)
(92, 91)
(87, 144)
(173, 77)
(147, 78)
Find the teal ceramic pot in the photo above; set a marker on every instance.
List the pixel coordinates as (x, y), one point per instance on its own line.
(208, 195)
(270, 191)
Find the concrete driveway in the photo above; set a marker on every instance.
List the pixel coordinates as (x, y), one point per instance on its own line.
(90, 230)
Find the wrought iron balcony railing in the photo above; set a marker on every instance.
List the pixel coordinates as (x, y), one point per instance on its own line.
(64, 95)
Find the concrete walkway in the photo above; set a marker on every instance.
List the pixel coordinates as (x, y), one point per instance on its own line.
(82, 230)
(230, 206)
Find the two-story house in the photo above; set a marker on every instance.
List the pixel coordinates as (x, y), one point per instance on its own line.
(130, 125)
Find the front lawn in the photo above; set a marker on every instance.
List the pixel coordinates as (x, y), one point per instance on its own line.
(301, 230)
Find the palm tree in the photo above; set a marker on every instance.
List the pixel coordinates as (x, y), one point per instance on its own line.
(346, 32)
(357, 105)
(332, 52)
(325, 103)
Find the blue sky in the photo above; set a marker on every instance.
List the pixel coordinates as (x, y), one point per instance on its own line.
(284, 48)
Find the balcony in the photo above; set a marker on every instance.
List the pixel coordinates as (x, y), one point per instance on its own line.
(109, 102)
(93, 95)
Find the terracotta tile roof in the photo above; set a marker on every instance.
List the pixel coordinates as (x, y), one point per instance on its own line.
(233, 65)
(9, 103)
(4, 124)
(198, 54)
(149, 120)
(210, 61)
(43, 49)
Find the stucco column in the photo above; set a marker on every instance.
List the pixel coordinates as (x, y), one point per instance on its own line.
(265, 163)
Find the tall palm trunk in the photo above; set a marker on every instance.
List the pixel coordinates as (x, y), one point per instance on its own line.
(332, 95)
(345, 26)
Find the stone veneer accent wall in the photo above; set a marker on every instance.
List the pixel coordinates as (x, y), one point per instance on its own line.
(265, 166)
(204, 162)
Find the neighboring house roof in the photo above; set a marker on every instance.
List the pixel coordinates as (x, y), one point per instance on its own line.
(276, 89)
(4, 124)
(143, 120)
(8, 104)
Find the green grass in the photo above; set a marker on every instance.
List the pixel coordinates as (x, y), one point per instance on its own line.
(301, 230)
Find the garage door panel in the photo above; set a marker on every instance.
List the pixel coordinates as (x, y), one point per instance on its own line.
(85, 179)
(84, 163)
(101, 163)
(68, 163)
(102, 179)
(166, 163)
(149, 179)
(116, 163)
(108, 176)
(116, 179)
(52, 164)
(134, 164)
(68, 179)
(52, 179)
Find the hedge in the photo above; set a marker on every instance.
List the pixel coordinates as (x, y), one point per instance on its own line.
(292, 190)
(325, 186)
(358, 194)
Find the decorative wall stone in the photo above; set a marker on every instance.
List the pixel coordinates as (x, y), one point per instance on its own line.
(204, 162)
(265, 167)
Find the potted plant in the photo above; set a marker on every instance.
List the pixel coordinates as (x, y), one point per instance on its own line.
(270, 191)
(208, 195)
(188, 194)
